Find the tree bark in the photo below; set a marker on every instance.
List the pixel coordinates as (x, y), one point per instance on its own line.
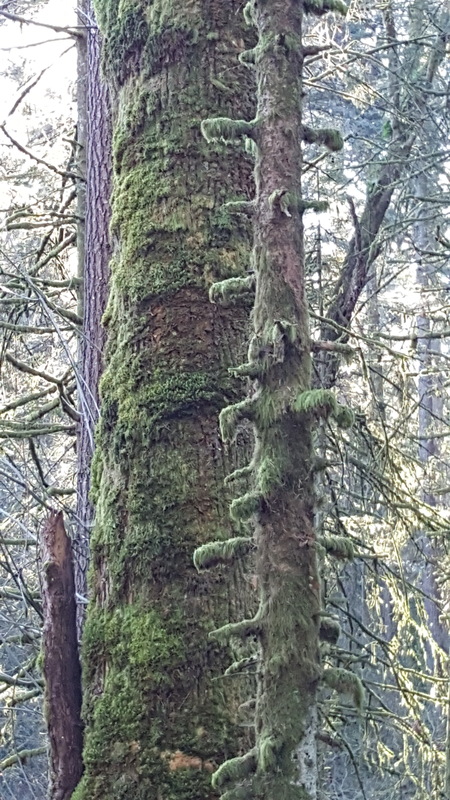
(283, 410)
(158, 713)
(61, 665)
(96, 254)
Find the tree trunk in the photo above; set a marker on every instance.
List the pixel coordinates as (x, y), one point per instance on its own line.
(157, 709)
(61, 665)
(95, 283)
(284, 411)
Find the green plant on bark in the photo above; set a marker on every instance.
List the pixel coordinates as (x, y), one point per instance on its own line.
(158, 714)
(283, 410)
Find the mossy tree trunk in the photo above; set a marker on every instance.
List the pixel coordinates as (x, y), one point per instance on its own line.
(158, 713)
(284, 410)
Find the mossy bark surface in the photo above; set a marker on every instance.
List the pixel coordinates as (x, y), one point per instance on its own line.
(287, 571)
(284, 410)
(158, 713)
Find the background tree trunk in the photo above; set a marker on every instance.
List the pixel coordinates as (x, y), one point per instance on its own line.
(61, 665)
(95, 281)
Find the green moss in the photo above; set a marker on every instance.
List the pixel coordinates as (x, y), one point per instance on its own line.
(224, 129)
(330, 630)
(320, 7)
(270, 472)
(127, 34)
(249, 13)
(244, 507)
(345, 682)
(243, 665)
(141, 650)
(235, 770)
(242, 472)
(322, 403)
(319, 402)
(268, 751)
(231, 416)
(238, 630)
(233, 290)
(330, 138)
(339, 547)
(222, 552)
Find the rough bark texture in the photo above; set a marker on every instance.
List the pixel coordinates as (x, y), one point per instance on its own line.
(283, 410)
(157, 710)
(61, 665)
(95, 282)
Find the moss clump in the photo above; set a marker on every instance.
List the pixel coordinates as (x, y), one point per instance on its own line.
(231, 416)
(244, 507)
(330, 138)
(249, 13)
(321, 7)
(226, 130)
(345, 682)
(322, 403)
(330, 630)
(235, 770)
(271, 471)
(339, 547)
(243, 665)
(222, 552)
(233, 290)
(238, 630)
(318, 402)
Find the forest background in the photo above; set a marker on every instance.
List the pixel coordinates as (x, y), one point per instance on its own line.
(376, 261)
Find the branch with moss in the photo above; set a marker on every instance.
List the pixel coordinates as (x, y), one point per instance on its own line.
(233, 290)
(21, 757)
(224, 129)
(345, 682)
(222, 552)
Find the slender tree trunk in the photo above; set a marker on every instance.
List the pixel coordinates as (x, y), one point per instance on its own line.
(96, 254)
(284, 411)
(430, 417)
(61, 665)
(157, 709)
